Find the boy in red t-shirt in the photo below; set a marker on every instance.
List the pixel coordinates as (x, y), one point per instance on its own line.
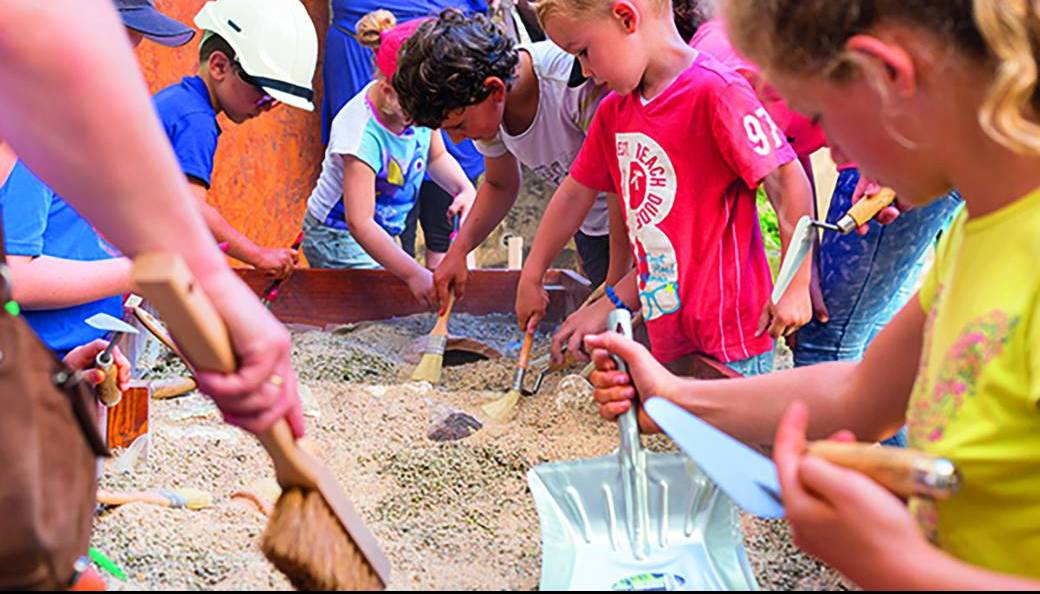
(684, 142)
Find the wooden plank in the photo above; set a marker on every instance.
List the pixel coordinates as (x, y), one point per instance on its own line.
(128, 420)
(319, 297)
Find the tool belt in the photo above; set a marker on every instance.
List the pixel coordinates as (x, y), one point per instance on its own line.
(48, 447)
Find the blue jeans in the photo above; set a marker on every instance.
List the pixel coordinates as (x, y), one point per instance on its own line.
(757, 365)
(866, 280)
(326, 247)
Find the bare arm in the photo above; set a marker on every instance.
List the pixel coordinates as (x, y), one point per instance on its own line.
(45, 282)
(276, 261)
(360, 203)
(495, 196)
(446, 172)
(870, 397)
(620, 248)
(568, 207)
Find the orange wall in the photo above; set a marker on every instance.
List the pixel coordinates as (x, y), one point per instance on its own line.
(264, 167)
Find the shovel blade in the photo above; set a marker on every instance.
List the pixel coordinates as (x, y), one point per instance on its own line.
(694, 536)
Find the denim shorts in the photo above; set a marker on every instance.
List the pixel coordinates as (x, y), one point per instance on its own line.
(757, 365)
(326, 247)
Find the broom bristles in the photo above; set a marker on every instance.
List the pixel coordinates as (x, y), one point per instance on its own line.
(501, 409)
(306, 541)
(429, 368)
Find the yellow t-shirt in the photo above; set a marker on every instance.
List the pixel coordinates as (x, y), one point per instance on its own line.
(975, 400)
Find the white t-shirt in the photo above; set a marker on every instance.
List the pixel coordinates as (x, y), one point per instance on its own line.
(553, 139)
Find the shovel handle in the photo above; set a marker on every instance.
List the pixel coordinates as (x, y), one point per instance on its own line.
(906, 473)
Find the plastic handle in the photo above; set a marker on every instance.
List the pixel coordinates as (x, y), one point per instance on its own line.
(632, 457)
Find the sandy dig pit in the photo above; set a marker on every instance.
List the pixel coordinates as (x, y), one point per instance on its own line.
(450, 515)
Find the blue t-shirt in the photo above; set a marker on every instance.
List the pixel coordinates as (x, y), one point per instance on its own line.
(398, 160)
(191, 125)
(38, 222)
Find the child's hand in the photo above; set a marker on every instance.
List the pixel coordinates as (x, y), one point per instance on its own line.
(531, 303)
(451, 275)
(614, 391)
(868, 187)
(840, 515)
(420, 284)
(461, 205)
(277, 262)
(82, 358)
(785, 318)
(591, 319)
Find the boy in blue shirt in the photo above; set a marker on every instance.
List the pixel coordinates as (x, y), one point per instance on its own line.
(63, 270)
(254, 55)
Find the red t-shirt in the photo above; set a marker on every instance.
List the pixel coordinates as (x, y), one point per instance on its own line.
(686, 166)
(805, 137)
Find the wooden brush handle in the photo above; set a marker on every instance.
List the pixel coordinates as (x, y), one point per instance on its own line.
(525, 351)
(904, 472)
(441, 327)
(172, 387)
(164, 279)
(595, 295)
(108, 390)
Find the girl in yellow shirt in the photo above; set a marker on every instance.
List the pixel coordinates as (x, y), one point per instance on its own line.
(926, 95)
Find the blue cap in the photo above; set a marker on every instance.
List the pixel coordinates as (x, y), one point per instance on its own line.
(143, 17)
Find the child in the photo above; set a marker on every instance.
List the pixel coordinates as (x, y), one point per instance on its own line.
(685, 143)
(959, 364)
(62, 270)
(464, 74)
(254, 55)
(373, 167)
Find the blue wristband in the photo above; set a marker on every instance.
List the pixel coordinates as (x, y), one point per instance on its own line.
(618, 303)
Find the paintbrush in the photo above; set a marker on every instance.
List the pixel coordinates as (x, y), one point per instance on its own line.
(177, 498)
(429, 368)
(501, 409)
(314, 535)
(271, 292)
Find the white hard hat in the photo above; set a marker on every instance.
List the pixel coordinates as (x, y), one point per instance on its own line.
(275, 43)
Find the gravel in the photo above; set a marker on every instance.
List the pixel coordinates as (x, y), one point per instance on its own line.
(450, 514)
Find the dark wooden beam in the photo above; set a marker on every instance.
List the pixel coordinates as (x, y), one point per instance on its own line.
(320, 297)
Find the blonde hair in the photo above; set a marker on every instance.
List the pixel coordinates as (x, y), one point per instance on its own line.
(808, 37)
(371, 26)
(543, 9)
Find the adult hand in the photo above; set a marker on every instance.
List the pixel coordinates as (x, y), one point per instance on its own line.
(263, 389)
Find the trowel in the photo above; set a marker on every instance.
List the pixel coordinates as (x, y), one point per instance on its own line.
(750, 479)
(108, 390)
(804, 235)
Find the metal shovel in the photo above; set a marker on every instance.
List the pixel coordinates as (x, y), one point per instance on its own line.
(636, 520)
(108, 390)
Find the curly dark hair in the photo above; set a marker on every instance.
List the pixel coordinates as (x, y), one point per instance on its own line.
(443, 65)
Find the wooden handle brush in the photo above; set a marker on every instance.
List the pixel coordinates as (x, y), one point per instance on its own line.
(314, 535)
(501, 409)
(177, 498)
(429, 368)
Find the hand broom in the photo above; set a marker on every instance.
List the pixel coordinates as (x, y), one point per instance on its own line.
(429, 368)
(501, 409)
(314, 535)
